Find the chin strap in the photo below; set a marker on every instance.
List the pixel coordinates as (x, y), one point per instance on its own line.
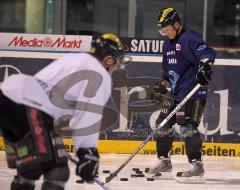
(177, 30)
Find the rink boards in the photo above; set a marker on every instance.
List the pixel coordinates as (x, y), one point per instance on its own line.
(219, 127)
(128, 147)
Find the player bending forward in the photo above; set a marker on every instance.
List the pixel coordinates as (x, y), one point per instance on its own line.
(77, 85)
(187, 61)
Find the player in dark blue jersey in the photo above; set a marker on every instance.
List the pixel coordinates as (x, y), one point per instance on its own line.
(187, 61)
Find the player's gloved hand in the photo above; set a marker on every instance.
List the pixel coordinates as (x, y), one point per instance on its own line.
(204, 74)
(87, 167)
(158, 90)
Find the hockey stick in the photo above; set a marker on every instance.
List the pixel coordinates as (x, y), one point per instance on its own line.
(96, 179)
(114, 174)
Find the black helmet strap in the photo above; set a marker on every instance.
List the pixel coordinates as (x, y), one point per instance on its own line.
(177, 30)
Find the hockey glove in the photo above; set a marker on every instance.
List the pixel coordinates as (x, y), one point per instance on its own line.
(87, 167)
(158, 90)
(204, 74)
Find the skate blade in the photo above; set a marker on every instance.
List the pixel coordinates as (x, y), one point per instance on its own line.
(193, 179)
(161, 176)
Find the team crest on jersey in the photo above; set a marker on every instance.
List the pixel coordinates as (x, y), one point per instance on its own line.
(201, 47)
(178, 47)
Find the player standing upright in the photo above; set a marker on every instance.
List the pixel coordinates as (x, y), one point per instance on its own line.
(77, 85)
(187, 61)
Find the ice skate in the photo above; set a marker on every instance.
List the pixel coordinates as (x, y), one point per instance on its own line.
(194, 175)
(161, 170)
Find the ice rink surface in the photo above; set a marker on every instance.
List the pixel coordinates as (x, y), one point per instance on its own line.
(221, 174)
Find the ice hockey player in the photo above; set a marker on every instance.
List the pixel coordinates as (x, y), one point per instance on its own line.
(79, 85)
(187, 61)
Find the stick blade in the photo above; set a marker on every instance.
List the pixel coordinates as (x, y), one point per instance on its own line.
(109, 178)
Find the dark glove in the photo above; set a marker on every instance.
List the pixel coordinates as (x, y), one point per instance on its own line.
(87, 167)
(158, 89)
(204, 74)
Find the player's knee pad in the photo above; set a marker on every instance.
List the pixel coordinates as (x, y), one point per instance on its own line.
(165, 131)
(55, 179)
(188, 131)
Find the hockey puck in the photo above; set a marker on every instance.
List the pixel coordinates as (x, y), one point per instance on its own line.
(79, 181)
(137, 175)
(147, 170)
(123, 179)
(150, 179)
(158, 175)
(106, 171)
(139, 172)
(135, 169)
(134, 175)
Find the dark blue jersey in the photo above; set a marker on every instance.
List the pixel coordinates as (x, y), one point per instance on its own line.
(181, 58)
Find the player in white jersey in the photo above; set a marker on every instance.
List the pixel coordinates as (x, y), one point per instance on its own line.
(74, 90)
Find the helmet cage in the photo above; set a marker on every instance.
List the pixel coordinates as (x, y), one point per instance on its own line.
(110, 45)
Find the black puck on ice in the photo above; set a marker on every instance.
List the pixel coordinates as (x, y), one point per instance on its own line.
(139, 172)
(150, 179)
(135, 169)
(158, 175)
(137, 175)
(134, 175)
(79, 181)
(106, 171)
(123, 179)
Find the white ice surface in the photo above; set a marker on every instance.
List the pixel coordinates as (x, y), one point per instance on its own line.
(221, 174)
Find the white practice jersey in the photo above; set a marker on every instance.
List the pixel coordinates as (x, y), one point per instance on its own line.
(76, 84)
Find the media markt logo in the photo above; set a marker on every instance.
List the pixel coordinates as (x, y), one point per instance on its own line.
(60, 42)
(6, 71)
